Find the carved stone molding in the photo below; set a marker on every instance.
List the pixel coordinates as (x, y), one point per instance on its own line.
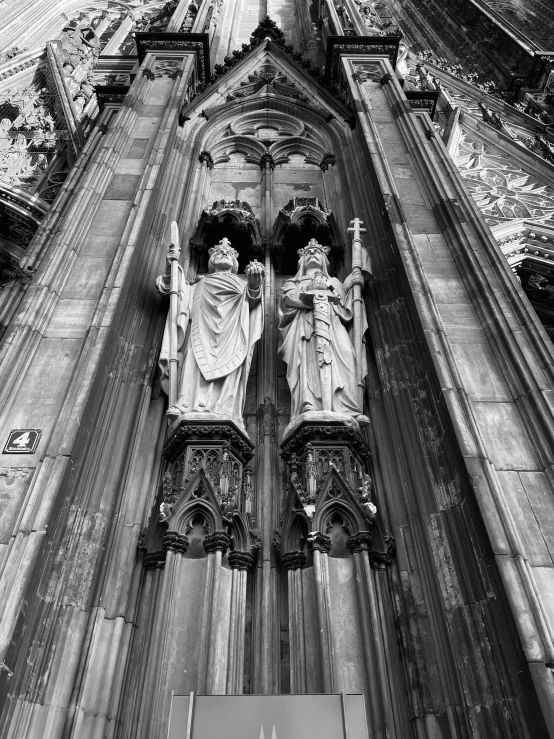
(320, 542)
(187, 432)
(240, 560)
(175, 541)
(360, 542)
(294, 560)
(219, 540)
(308, 432)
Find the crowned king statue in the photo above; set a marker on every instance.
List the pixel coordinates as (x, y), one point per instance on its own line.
(316, 316)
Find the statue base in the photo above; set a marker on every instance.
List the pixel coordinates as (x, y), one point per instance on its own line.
(207, 429)
(325, 417)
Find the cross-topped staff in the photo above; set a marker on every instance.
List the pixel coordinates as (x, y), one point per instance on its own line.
(356, 228)
(173, 259)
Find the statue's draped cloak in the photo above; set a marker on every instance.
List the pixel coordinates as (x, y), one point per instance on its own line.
(218, 324)
(299, 350)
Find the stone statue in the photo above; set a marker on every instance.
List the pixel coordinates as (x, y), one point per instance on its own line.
(218, 319)
(316, 316)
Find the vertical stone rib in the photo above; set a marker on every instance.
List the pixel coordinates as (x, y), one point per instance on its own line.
(321, 545)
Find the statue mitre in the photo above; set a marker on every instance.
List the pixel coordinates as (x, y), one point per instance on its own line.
(313, 244)
(225, 246)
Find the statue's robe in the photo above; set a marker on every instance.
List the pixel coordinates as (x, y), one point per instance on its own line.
(218, 323)
(299, 351)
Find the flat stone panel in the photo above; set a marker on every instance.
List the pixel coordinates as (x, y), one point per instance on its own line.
(505, 436)
(445, 283)
(87, 278)
(107, 227)
(43, 391)
(440, 248)
(145, 128)
(481, 375)
(71, 318)
(541, 500)
(311, 637)
(122, 187)
(423, 246)
(14, 483)
(349, 648)
(151, 111)
(138, 148)
(544, 577)
(420, 220)
(184, 625)
(525, 520)
(460, 322)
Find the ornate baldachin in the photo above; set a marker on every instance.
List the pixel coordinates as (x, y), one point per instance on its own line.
(219, 540)
(294, 560)
(240, 560)
(319, 542)
(360, 542)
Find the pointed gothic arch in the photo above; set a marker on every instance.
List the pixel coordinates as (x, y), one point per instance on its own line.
(234, 220)
(299, 221)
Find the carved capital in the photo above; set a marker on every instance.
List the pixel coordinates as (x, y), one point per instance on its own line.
(218, 540)
(294, 560)
(327, 161)
(267, 159)
(154, 560)
(379, 560)
(149, 74)
(240, 560)
(320, 542)
(176, 542)
(206, 157)
(360, 542)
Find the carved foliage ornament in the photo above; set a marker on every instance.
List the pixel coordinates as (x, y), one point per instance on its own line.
(501, 189)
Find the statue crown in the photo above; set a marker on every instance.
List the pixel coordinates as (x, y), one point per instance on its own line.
(224, 245)
(313, 244)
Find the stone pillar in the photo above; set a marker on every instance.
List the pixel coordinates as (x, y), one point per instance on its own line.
(378, 696)
(212, 661)
(240, 563)
(294, 562)
(320, 545)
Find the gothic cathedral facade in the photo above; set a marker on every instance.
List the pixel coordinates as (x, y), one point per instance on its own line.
(276, 361)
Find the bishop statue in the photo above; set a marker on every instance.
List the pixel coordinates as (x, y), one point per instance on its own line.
(210, 334)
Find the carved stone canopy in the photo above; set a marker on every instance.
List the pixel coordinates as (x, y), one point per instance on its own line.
(231, 219)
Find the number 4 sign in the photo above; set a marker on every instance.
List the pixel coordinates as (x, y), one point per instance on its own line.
(22, 441)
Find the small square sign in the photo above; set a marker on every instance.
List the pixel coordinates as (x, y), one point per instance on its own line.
(22, 441)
